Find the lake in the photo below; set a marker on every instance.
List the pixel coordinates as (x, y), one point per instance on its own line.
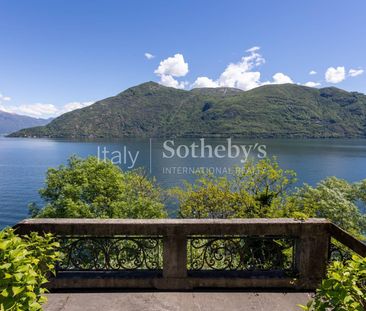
(24, 162)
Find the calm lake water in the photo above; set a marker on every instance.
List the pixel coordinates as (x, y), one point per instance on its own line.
(24, 162)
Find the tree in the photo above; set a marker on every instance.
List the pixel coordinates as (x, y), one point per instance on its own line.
(334, 199)
(92, 188)
(262, 189)
(255, 190)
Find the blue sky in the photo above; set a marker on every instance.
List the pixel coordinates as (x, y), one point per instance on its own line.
(59, 55)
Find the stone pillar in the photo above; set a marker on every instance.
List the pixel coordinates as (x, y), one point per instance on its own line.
(312, 255)
(175, 256)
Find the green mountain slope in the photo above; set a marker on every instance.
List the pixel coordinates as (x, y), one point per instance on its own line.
(152, 110)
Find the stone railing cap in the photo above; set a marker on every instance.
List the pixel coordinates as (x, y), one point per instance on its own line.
(65, 221)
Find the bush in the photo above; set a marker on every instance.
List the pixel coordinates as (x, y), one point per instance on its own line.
(263, 190)
(25, 263)
(255, 190)
(96, 189)
(336, 200)
(344, 288)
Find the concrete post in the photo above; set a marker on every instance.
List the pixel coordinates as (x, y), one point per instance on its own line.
(175, 256)
(312, 255)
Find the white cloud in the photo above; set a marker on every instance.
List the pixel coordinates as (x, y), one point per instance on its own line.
(37, 110)
(245, 81)
(149, 55)
(204, 82)
(40, 110)
(172, 67)
(312, 84)
(239, 75)
(73, 106)
(4, 98)
(242, 75)
(253, 49)
(335, 75)
(355, 72)
(280, 78)
(168, 80)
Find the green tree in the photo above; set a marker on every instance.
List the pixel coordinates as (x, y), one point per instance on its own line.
(334, 199)
(89, 188)
(254, 190)
(262, 189)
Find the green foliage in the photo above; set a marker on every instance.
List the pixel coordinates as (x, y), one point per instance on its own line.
(334, 199)
(96, 189)
(25, 263)
(261, 189)
(210, 197)
(255, 190)
(344, 288)
(286, 110)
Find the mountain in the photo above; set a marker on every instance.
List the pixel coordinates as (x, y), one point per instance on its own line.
(10, 122)
(153, 110)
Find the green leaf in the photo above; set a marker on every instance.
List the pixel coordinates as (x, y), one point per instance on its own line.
(4, 293)
(16, 290)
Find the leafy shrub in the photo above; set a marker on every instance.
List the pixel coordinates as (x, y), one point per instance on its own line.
(255, 190)
(334, 199)
(263, 190)
(89, 188)
(344, 288)
(25, 263)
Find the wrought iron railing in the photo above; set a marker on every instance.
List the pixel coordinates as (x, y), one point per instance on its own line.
(339, 252)
(117, 253)
(186, 254)
(342, 245)
(242, 254)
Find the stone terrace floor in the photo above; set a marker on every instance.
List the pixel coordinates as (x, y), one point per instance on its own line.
(175, 301)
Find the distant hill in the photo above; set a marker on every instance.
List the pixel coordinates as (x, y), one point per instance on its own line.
(10, 122)
(153, 110)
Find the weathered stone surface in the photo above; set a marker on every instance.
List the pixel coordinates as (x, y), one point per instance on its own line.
(100, 227)
(311, 236)
(176, 301)
(311, 250)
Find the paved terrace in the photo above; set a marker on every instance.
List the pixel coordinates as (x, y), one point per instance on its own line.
(176, 301)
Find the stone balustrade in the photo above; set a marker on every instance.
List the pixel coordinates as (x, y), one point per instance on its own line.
(186, 254)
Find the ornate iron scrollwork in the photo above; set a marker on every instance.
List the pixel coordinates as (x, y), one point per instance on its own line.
(339, 253)
(111, 253)
(241, 253)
